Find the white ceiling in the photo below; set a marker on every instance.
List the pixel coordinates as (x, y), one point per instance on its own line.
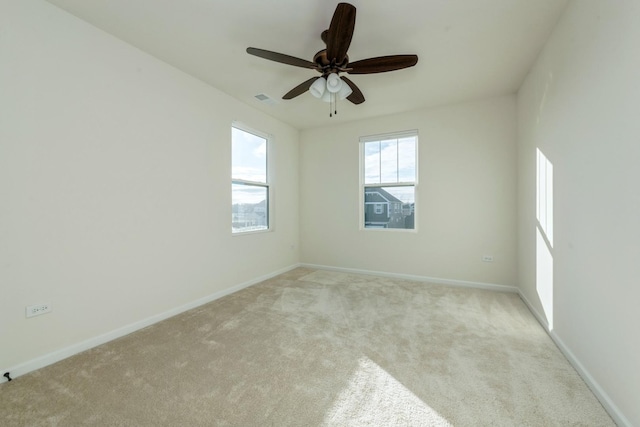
(467, 49)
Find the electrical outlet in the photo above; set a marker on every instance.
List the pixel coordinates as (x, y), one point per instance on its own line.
(487, 258)
(38, 309)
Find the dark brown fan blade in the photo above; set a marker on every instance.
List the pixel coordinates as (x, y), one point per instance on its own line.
(300, 89)
(281, 57)
(340, 32)
(356, 96)
(383, 64)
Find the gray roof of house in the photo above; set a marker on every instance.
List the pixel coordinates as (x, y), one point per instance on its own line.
(378, 195)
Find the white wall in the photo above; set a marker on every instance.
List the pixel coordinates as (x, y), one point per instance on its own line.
(115, 185)
(466, 195)
(579, 106)
(114, 189)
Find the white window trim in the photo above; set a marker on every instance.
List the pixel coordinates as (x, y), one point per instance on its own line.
(269, 184)
(362, 186)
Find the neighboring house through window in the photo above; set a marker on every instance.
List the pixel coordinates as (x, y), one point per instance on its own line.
(249, 181)
(388, 180)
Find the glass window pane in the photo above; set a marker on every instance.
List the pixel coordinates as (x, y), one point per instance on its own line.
(407, 159)
(249, 156)
(389, 161)
(389, 207)
(250, 209)
(389, 167)
(372, 162)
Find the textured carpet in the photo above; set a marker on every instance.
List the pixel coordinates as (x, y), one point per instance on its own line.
(319, 348)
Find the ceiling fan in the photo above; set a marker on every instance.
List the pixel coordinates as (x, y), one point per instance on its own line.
(333, 60)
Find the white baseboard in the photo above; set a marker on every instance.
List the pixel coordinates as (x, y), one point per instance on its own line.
(539, 317)
(611, 408)
(435, 280)
(603, 397)
(74, 349)
(615, 413)
(58, 355)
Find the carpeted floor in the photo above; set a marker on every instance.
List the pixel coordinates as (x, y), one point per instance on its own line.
(319, 348)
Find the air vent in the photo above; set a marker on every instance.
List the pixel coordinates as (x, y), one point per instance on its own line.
(266, 99)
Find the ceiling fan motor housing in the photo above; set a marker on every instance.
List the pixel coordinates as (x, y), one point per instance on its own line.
(326, 66)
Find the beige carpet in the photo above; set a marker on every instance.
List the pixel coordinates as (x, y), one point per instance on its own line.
(319, 348)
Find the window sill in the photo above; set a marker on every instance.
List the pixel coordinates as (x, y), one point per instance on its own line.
(244, 233)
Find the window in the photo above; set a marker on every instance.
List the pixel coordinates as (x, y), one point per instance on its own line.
(389, 178)
(249, 181)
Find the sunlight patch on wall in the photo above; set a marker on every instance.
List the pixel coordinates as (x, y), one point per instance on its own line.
(374, 397)
(544, 277)
(544, 235)
(544, 195)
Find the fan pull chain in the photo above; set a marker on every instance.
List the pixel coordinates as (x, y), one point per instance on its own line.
(333, 104)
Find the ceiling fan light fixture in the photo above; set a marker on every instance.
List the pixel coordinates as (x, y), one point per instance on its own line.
(317, 87)
(334, 84)
(344, 91)
(327, 96)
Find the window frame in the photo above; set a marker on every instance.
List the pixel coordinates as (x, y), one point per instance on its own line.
(268, 184)
(363, 185)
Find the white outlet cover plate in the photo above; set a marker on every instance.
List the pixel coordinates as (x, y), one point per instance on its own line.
(38, 309)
